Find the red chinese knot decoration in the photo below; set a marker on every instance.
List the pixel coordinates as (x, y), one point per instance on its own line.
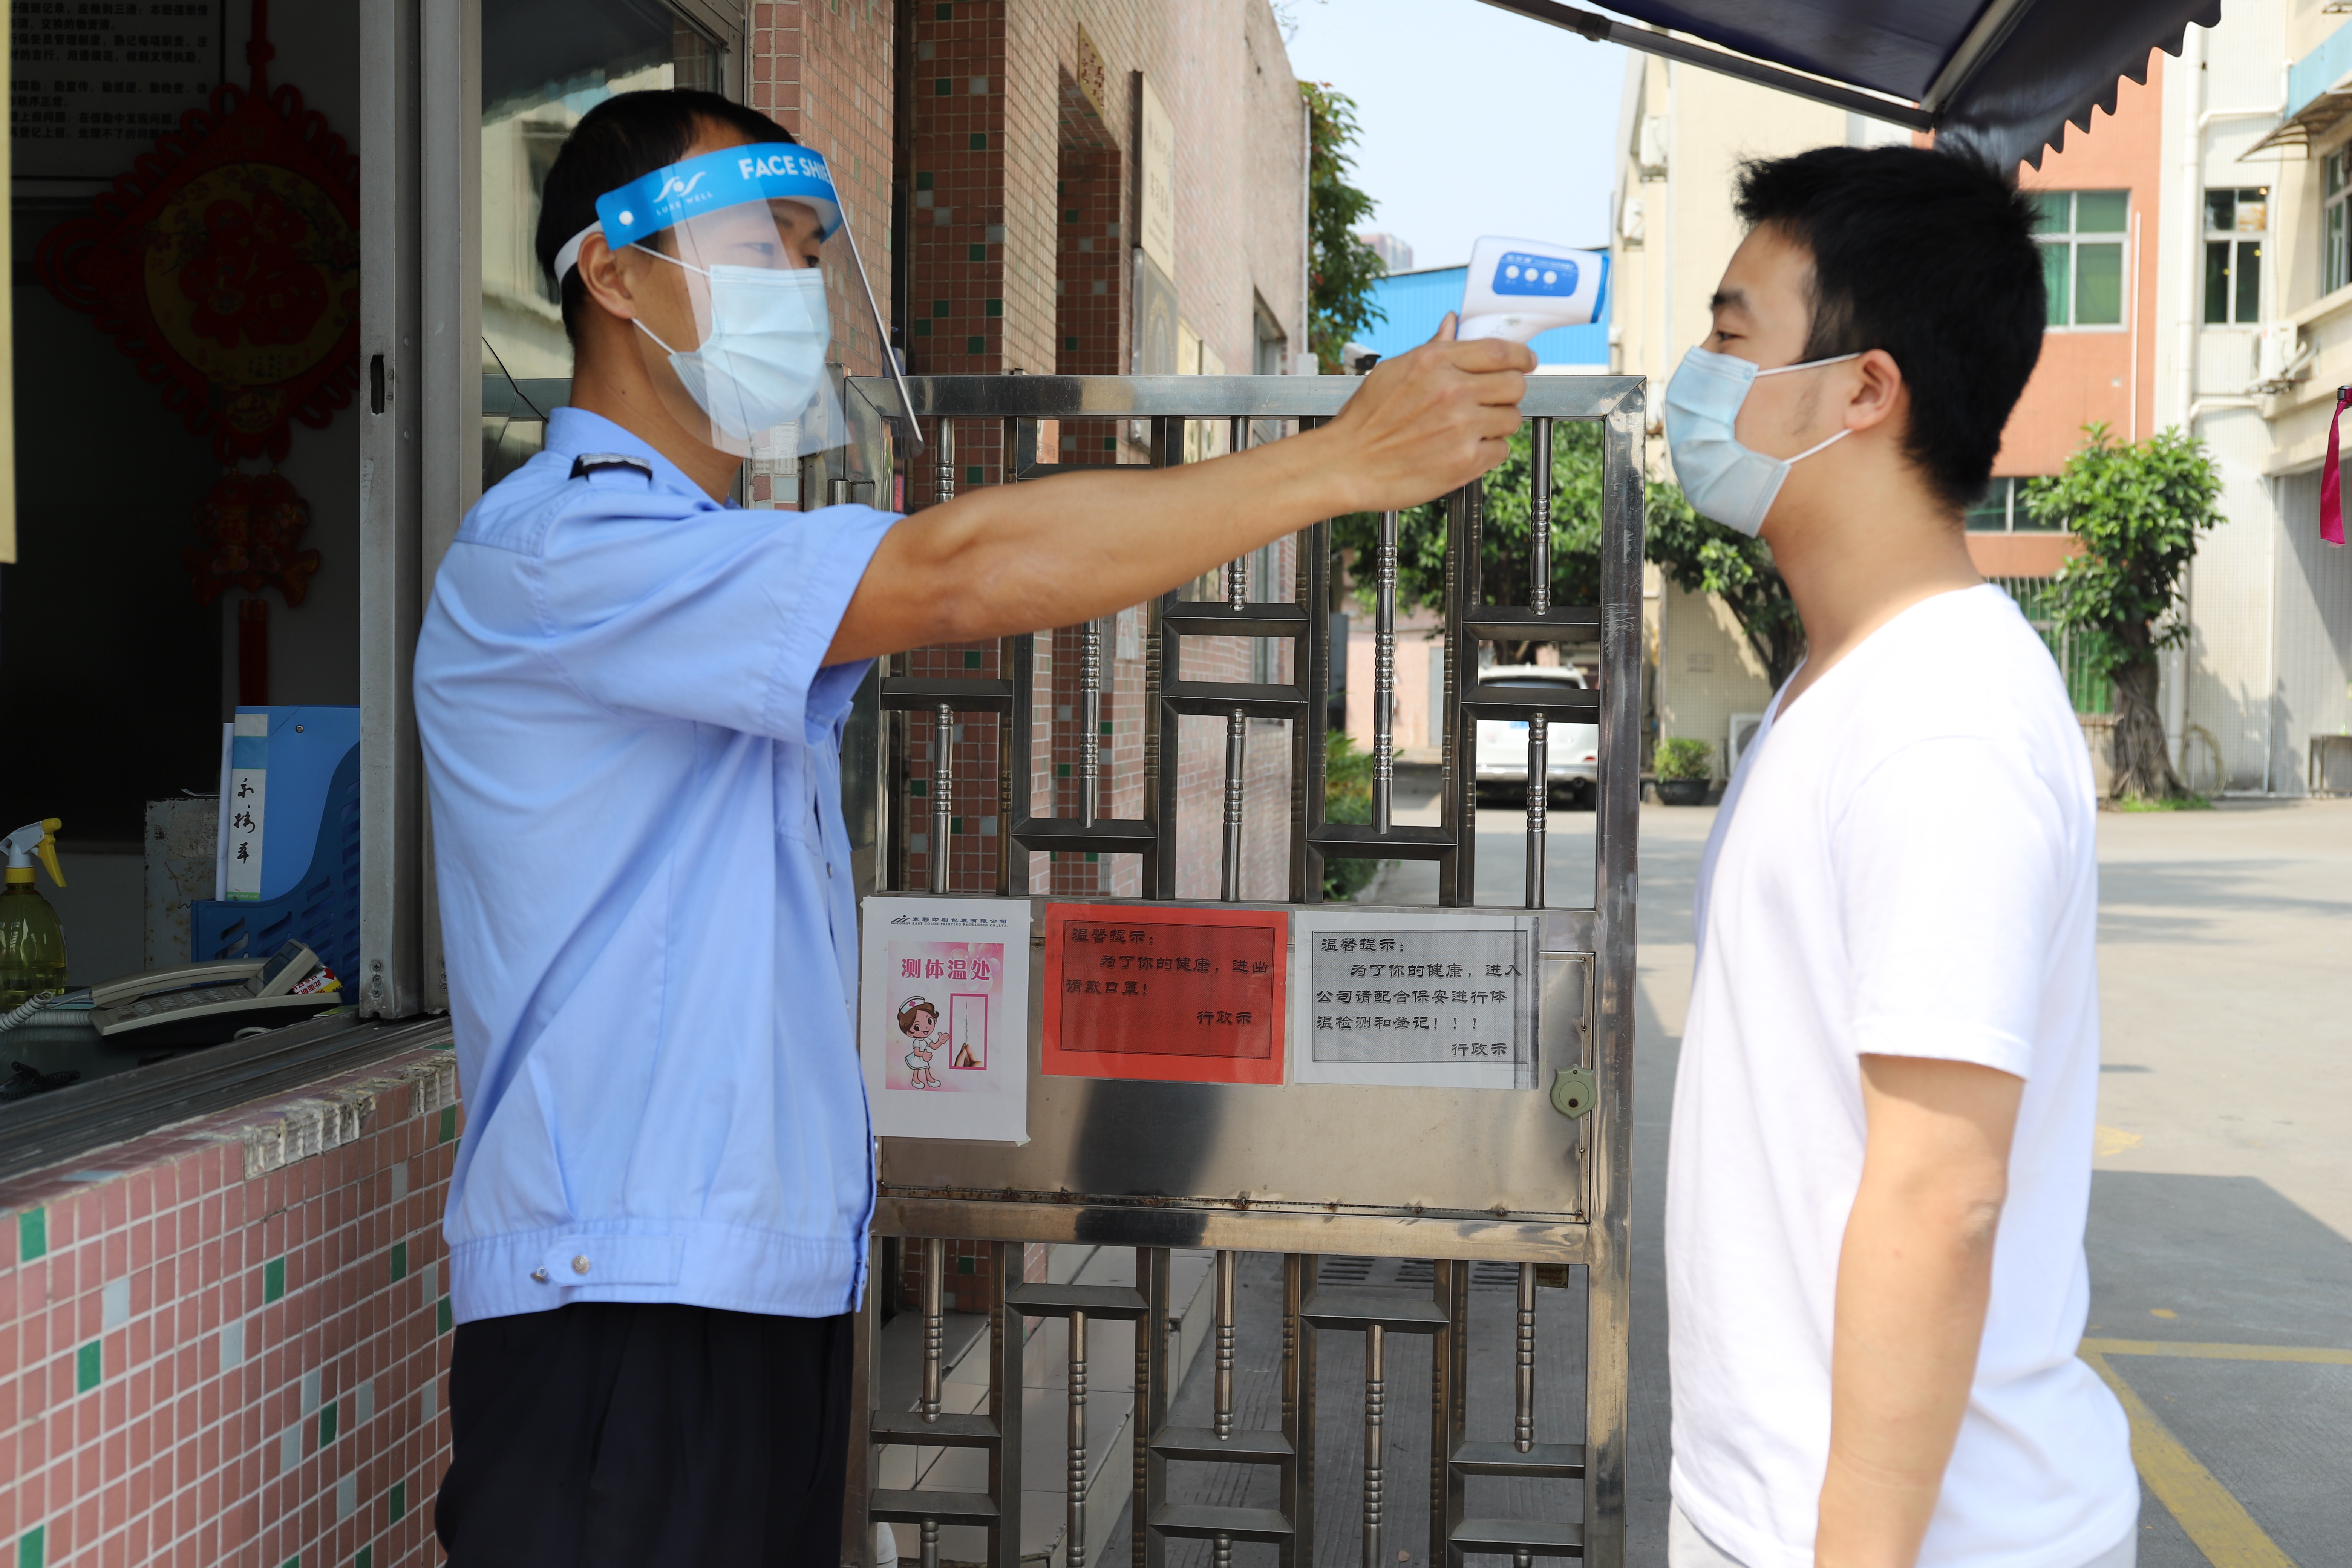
(226, 263)
(250, 524)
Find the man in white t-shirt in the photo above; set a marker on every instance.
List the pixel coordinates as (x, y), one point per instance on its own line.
(1880, 1165)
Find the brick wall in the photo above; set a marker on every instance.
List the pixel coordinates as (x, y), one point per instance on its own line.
(966, 1277)
(823, 69)
(1020, 222)
(226, 1344)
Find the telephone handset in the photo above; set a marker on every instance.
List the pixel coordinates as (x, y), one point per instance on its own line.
(209, 1003)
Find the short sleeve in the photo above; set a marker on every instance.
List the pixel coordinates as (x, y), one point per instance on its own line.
(1953, 865)
(719, 617)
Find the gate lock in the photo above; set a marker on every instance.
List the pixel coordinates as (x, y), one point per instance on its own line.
(1573, 1091)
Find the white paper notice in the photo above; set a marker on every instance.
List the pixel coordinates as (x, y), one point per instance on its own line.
(1441, 1000)
(944, 1020)
(248, 800)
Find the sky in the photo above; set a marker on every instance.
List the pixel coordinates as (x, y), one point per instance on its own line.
(1475, 120)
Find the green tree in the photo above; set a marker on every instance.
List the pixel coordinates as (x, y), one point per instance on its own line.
(1346, 797)
(1701, 556)
(1696, 555)
(2137, 508)
(1341, 268)
(1503, 540)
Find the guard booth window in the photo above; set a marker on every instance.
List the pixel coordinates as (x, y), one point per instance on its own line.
(189, 549)
(546, 63)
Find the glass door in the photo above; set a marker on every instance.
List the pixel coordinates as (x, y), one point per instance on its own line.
(545, 64)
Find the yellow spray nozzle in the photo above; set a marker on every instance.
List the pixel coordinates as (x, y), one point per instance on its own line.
(34, 838)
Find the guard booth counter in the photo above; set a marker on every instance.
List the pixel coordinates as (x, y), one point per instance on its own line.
(186, 620)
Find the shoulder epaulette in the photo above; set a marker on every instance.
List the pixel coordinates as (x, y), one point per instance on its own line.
(591, 463)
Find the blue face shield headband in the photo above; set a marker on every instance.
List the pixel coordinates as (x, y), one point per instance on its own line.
(759, 372)
(732, 177)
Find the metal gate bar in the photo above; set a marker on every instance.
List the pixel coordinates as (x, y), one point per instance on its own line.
(1008, 1197)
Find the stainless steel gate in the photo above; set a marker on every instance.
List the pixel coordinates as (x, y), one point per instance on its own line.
(1523, 1186)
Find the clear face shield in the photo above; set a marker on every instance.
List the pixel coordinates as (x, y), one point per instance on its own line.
(732, 259)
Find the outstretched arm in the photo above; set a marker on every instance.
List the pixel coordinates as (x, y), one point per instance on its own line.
(1021, 558)
(1913, 1281)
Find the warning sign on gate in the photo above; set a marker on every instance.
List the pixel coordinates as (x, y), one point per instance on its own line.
(1441, 1000)
(945, 1034)
(1185, 995)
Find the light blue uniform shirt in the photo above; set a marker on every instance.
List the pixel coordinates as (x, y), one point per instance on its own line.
(634, 764)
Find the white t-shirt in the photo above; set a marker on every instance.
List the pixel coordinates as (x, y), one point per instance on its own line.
(1904, 865)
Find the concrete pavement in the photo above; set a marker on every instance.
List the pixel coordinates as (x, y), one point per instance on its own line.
(2220, 1239)
(2220, 1235)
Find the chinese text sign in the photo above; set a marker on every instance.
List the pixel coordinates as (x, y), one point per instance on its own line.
(1187, 995)
(1440, 1000)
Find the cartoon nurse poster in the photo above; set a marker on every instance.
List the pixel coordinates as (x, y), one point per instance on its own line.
(945, 1026)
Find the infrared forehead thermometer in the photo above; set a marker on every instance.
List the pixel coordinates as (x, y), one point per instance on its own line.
(1518, 287)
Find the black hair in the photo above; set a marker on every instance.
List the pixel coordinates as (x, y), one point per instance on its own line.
(1931, 255)
(628, 135)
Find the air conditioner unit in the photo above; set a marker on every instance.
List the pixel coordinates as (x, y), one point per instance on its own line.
(1745, 727)
(1651, 149)
(2281, 358)
(1629, 221)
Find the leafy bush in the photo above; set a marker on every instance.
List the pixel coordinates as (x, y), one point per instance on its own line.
(1679, 757)
(1346, 797)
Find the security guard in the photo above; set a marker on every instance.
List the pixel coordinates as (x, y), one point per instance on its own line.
(631, 695)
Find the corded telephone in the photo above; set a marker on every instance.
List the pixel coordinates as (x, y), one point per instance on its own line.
(207, 1003)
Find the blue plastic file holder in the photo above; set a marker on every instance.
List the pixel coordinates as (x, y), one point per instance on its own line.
(323, 907)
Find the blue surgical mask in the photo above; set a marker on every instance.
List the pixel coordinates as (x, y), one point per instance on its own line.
(1722, 479)
(762, 361)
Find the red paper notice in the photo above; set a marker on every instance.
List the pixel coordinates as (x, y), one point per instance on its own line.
(1188, 995)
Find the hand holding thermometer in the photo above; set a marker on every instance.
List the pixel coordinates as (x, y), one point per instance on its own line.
(1518, 287)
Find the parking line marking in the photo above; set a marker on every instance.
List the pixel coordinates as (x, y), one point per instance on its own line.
(2322, 1355)
(2216, 1522)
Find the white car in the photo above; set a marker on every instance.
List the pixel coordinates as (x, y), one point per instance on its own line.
(1572, 750)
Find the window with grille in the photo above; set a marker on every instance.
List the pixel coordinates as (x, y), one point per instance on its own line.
(2235, 222)
(2002, 510)
(2082, 235)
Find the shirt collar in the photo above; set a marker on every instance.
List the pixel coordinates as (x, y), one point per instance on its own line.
(574, 432)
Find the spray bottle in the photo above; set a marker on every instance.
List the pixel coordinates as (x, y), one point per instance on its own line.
(1515, 289)
(32, 942)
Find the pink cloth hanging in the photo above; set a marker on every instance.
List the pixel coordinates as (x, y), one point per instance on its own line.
(2331, 483)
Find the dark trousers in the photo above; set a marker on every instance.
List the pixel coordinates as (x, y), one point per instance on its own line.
(617, 1435)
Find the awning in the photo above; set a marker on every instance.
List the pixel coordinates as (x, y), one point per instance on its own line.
(2318, 94)
(2000, 78)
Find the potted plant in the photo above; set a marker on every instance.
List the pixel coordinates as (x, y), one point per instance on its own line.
(1682, 771)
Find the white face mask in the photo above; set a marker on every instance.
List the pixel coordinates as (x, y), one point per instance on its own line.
(1722, 479)
(762, 362)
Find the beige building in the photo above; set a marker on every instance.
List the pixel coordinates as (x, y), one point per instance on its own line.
(2259, 291)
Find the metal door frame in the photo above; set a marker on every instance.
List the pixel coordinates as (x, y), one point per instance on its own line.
(1006, 1220)
(392, 564)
